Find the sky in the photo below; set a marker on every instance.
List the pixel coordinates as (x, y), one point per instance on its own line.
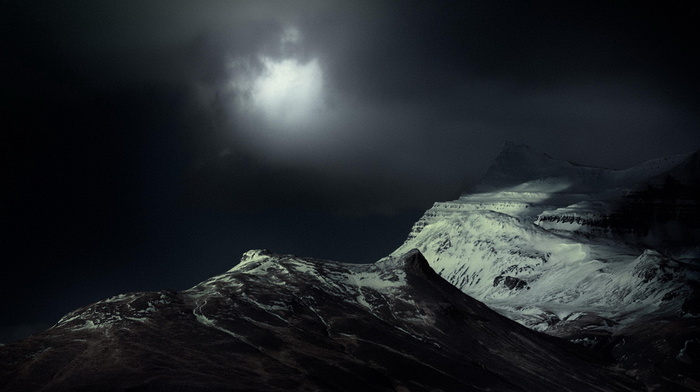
(147, 145)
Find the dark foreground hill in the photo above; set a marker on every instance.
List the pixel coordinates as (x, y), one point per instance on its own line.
(279, 323)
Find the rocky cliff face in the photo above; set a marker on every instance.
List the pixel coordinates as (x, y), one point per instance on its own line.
(277, 322)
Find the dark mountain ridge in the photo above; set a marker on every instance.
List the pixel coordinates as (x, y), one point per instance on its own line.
(279, 322)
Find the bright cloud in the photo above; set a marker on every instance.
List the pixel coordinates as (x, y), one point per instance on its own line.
(285, 92)
(288, 92)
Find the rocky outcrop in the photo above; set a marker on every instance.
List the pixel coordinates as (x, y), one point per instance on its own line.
(510, 282)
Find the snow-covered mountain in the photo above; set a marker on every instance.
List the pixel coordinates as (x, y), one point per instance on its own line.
(607, 259)
(579, 252)
(278, 322)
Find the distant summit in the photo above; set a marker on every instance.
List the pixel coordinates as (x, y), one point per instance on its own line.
(524, 168)
(515, 164)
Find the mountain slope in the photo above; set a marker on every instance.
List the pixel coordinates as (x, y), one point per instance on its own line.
(278, 322)
(589, 254)
(516, 266)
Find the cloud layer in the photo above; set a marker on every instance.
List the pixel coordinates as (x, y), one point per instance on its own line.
(423, 97)
(355, 102)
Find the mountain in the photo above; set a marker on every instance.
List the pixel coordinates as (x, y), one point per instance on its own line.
(606, 263)
(521, 167)
(597, 256)
(653, 204)
(279, 322)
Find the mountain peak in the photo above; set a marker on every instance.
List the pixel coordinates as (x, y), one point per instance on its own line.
(518, 163)
(415, 263)
(512, 148)
(252, 256)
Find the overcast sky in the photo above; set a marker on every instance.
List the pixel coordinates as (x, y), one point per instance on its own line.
(147, 144)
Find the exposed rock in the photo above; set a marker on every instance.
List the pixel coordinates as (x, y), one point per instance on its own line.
(511, 282)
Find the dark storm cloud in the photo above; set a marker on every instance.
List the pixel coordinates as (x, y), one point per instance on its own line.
(415, 96)
(426, 95)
